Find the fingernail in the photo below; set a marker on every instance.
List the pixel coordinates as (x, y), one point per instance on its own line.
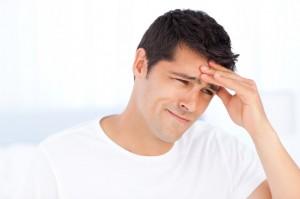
(204, 67)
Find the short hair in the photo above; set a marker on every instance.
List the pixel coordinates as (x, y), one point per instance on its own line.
(195, 29)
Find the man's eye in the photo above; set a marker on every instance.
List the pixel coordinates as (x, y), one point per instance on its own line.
(207, 91)
(183, 81)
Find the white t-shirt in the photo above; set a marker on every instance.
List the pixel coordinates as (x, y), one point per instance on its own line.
(83, 162)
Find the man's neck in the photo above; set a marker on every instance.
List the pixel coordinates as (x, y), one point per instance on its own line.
(131, 132)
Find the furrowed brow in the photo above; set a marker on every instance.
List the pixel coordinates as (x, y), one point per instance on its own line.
(197, 80)
(185, 76)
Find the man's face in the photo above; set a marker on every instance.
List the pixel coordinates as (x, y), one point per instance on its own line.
(172, 97)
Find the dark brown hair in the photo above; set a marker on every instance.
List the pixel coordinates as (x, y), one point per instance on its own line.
(196, 29)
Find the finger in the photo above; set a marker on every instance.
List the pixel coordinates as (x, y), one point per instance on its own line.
(217, 66)
(224, 95)
(210, 71)
(238, 87)
(227, 74)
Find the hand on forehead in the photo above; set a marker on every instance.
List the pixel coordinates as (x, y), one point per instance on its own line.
(210, 68)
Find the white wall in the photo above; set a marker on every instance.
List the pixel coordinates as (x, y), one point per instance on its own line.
(64, 55)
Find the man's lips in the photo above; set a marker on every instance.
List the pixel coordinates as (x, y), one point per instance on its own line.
(177, 116)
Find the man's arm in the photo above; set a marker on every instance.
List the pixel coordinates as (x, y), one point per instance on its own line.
(261, 192)
(283, 175)
(246, 110)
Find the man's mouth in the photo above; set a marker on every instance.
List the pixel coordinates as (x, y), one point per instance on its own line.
(182, 119)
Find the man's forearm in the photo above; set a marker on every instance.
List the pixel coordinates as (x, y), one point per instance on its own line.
(283, 175)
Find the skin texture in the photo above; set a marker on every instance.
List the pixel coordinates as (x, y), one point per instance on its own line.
(246, 110)
(164, 104)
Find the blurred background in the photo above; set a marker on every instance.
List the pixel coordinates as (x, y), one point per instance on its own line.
(63, 62)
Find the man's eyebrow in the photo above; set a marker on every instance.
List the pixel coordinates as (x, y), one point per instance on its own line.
(185, 76)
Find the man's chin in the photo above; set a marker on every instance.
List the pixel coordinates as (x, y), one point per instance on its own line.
(173, 136)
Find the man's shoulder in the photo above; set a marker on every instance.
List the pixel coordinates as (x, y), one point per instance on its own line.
(202, 129)
(213, 135)
(86, 129)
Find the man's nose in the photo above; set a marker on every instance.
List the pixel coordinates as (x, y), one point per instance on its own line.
(189, 101)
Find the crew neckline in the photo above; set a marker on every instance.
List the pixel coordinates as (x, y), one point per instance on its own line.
(165, 156)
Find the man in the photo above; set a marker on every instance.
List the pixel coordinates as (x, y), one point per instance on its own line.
(156, 148)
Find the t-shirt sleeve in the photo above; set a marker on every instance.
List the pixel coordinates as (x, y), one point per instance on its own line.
(40, 182)
(245, 166)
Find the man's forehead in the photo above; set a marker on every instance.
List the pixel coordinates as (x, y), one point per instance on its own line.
(194, 79)
(186, 76)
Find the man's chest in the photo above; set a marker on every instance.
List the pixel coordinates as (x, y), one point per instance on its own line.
(125, 179)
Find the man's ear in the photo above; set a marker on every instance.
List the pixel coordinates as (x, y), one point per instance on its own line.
(140, 65)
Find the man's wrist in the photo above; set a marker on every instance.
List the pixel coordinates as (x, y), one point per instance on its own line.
(264, 132)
